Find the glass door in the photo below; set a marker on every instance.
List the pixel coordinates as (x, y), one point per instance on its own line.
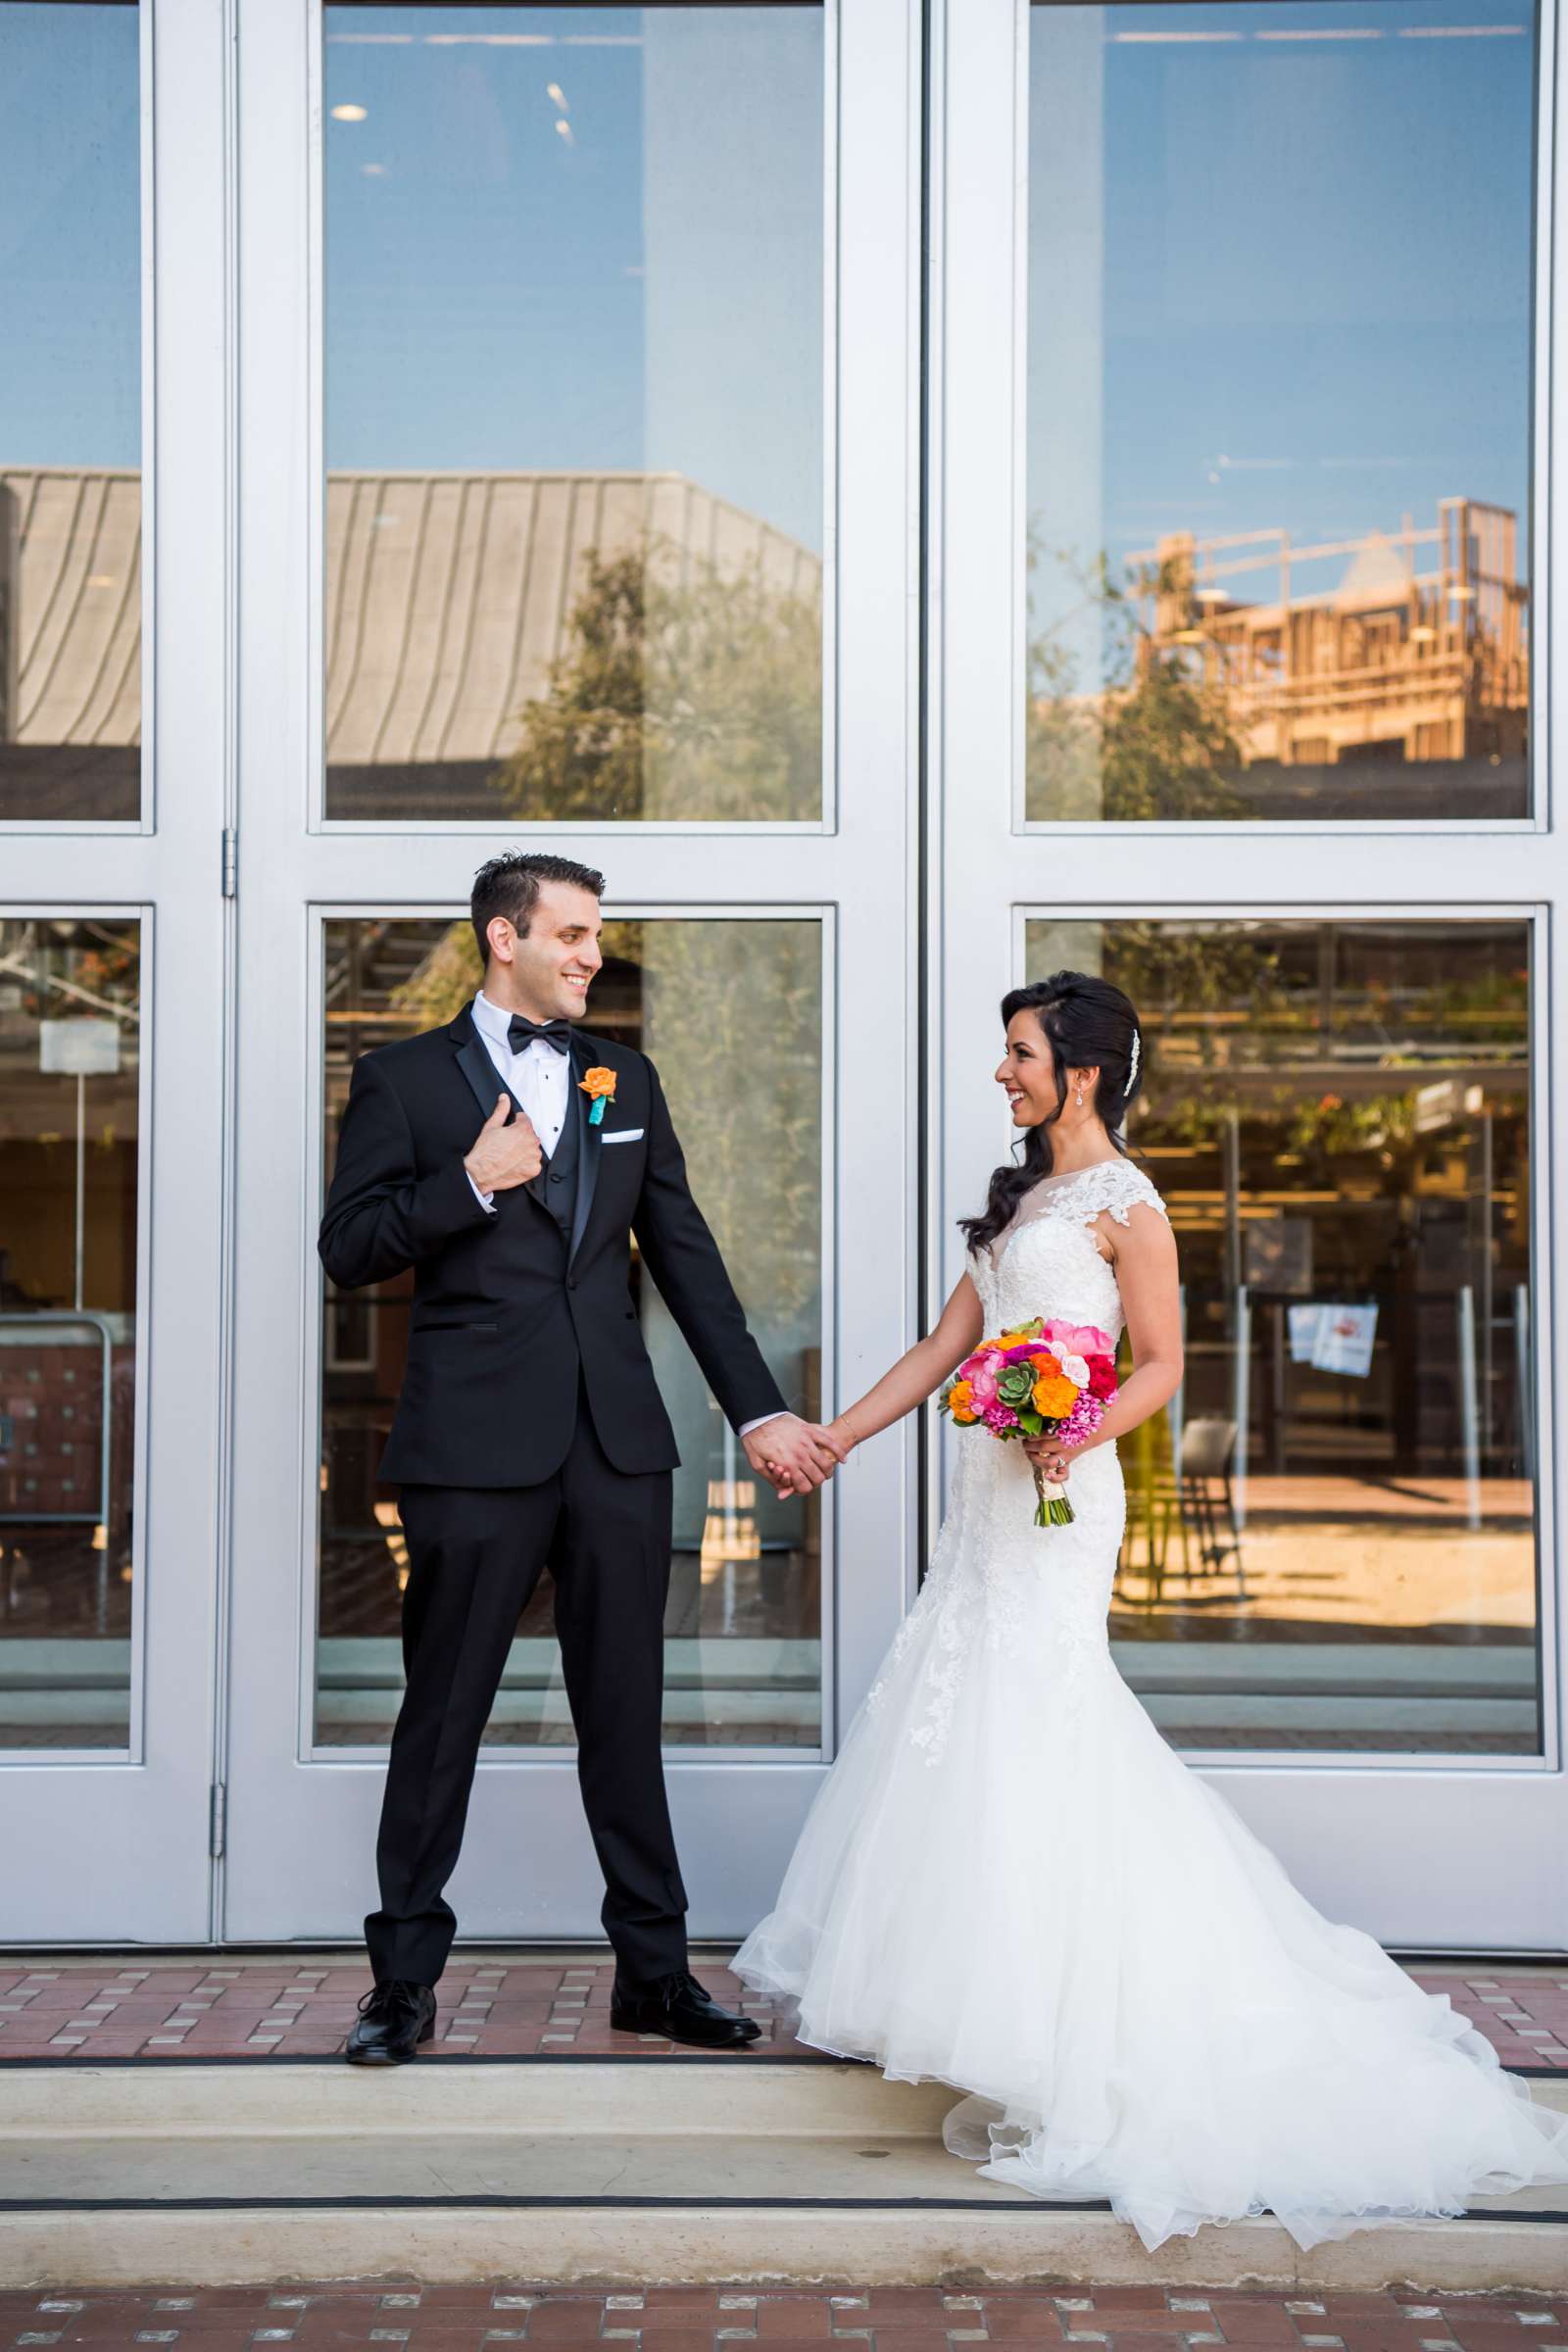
(114, 760)
(579, 372)
(1243, 703)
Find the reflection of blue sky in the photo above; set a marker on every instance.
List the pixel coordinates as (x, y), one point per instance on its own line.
(69, 236)
(643, 294)
(1286, 281)
(580, 237)
(1298, 285)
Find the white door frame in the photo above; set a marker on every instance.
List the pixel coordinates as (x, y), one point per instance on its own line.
(104, 1844)
(301, 1825)
(1424, 1851)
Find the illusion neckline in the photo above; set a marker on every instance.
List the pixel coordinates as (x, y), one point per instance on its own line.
(1028, 1224)
(1112, 1159)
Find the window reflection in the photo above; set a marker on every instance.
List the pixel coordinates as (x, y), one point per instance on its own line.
(574, 412)
(743, 1640)
(1279, 411)
(69, 1123)
(70, 412)
(1331, 1536)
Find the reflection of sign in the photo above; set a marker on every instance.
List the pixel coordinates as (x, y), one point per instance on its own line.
(87, 1049)
(1278, 1253)
(1440, 1104)
(1334, 1338)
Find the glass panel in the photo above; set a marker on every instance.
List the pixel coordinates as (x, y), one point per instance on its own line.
(743, 1630)
(1338, 1114)
(70, 1055)
(70, 412)
(1278, 398)
(574, 412)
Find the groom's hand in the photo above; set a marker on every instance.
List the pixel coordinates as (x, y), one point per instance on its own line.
(503, 1156)
(789, 1453)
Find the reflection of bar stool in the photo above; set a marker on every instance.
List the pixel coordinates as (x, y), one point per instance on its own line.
(1208, 1505)
(729, 1533)
(1153, 1515)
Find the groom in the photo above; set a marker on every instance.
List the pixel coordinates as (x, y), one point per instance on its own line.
(530, 1433)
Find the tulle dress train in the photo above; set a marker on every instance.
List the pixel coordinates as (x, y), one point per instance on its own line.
(1010, 1884)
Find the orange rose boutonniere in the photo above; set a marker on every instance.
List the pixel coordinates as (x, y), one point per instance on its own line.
(600, 1087)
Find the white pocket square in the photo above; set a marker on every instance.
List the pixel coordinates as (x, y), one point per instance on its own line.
(624, 1135)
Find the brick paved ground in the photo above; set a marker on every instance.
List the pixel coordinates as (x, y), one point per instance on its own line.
(303, 2009)
(506, 2008)
(464, 2319)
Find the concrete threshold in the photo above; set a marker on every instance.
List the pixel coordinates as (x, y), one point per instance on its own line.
(694, 2243)
(605, 2172)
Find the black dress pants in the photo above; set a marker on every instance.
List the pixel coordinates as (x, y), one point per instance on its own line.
(476, 1554)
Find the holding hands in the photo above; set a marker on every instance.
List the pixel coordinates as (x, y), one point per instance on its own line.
(795, 1456)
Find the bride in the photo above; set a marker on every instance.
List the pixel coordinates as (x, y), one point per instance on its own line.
(1008, 1882)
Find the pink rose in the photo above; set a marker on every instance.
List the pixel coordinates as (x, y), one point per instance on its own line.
(983, 1379)
(1083, 1338)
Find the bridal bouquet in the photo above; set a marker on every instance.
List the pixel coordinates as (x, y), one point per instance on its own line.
(1044, 1379)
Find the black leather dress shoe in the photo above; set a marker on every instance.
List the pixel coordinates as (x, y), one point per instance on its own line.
(678, 2008)
(394, 2019)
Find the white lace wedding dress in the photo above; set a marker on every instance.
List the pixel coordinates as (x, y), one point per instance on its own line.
(1009, 1882)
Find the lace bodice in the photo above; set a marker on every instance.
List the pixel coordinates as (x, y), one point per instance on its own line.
(1046, 1262)
(999, 1585)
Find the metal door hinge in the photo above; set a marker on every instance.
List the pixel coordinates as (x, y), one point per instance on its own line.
(217, 1818)
(231, 861)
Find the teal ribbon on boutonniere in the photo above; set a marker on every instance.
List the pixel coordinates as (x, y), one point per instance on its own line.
(600, 1087)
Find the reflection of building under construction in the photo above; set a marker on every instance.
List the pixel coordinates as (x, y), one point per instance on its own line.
(1418, 658)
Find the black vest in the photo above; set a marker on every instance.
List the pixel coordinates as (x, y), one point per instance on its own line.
(555, 1188)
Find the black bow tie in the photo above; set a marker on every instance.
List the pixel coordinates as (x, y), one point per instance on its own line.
(521, 1032)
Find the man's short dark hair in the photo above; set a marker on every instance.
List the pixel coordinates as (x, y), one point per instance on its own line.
(509, 884)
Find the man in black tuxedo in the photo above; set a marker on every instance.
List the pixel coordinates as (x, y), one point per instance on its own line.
(530, 1432)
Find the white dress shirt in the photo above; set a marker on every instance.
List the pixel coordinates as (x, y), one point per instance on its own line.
(538, 1076)
(541, 1080)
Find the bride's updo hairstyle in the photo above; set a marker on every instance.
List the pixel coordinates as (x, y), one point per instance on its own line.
(1088, 1025)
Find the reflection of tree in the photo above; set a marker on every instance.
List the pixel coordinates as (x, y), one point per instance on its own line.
(733, 1019)
(695, 697)
(444, 981)
(1329, 1127)
(1176, 970)
(1155, 742)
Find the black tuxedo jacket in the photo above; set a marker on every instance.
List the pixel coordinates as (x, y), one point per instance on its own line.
(508, 1308)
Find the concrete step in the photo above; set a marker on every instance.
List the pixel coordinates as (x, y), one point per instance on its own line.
(586, 2170)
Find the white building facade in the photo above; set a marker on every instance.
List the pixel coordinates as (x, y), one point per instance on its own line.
(922, 497)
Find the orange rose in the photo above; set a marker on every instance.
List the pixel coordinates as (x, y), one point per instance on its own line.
(960, 1401)
(1055, 1395)
(597, 1083)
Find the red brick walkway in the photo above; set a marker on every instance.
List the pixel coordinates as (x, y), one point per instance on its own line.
(474, 2319)
(505, 2008)
(303, 2009)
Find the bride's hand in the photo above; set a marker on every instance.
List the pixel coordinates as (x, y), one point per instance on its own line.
(1050, 1455)
(837, 1436)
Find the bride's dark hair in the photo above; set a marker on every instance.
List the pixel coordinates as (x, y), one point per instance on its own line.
(1088, 1024)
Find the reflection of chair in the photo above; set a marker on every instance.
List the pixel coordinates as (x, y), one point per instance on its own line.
(1208, 1505)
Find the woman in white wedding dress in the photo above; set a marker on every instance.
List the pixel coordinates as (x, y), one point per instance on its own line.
(1010, 1884)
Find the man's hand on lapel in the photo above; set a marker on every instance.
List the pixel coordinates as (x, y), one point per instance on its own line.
(503, 1156)
(790, 1455)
